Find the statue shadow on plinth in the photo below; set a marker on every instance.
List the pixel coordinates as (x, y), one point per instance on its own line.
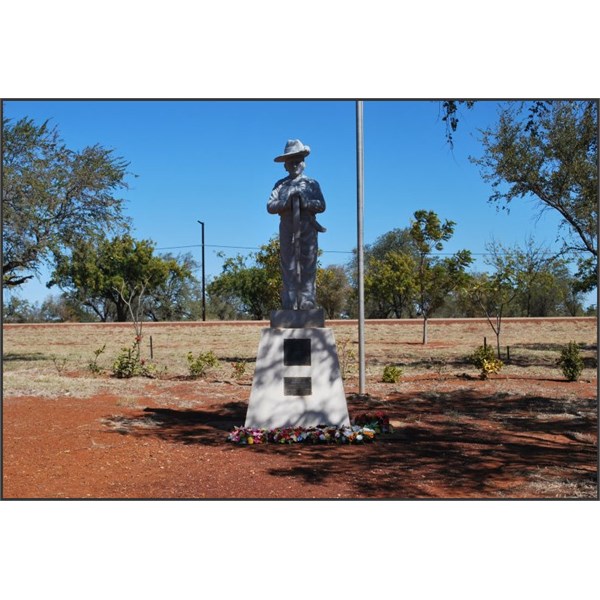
(297, 379)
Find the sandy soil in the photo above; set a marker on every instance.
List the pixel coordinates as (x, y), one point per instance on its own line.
(455, 437)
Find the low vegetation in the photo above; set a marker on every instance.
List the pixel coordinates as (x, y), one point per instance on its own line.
(102, 353)
(485, 360)
(391, 374)
(571, 362)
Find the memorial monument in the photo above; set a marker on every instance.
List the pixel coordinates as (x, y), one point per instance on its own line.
(297, 379)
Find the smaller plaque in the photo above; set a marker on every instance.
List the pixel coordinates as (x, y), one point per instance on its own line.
(297, 386)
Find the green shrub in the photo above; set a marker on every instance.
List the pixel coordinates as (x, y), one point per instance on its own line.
(570, 361)
(391, 374)
(485, 360)
(239, 369)
(93, 364)
(129, 364)
(200, 364)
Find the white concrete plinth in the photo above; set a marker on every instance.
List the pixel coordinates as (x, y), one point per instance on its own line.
(297, 380)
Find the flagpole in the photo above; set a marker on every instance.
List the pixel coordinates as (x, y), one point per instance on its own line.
(360, 245)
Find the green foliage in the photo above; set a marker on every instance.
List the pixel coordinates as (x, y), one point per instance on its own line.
(485, 360)
(53, 197)
(239, 369)
(19, 310)
(129, 364)
(62, 309)
(494, 292)
(390, 284)
(435, 278)
(544, 286)
(110, 276)
(199, 365)
(253, 291)
(391, 374)
(551, 154)
(402, 278)
(179, 296)
(571, 362)
(333, 290)
(388, 277)
(93, 364)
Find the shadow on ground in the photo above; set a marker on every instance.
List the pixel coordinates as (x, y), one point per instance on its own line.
(447, 445)
(26, 356)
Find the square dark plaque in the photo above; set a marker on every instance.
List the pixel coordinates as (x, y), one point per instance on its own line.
(296, 352)
(297, 386)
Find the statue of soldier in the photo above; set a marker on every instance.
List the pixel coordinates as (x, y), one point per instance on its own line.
(296, 199)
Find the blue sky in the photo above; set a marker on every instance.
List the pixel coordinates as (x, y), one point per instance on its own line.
(213, 161)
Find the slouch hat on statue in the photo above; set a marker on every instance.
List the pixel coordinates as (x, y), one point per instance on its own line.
(293, 149)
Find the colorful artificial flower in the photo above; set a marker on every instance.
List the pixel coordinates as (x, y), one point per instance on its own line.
(364, 428)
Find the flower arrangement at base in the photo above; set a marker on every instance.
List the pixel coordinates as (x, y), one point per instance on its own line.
(357, 433)
(377, 421)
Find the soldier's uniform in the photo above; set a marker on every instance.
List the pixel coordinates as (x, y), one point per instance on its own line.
(299, 290)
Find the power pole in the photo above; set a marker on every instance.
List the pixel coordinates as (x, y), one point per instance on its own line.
(203, 277)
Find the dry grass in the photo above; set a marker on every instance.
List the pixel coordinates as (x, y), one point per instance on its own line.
(52, 360)
(549, 483)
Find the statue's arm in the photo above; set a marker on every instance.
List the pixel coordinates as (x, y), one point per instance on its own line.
(313, 200)
(277, 202)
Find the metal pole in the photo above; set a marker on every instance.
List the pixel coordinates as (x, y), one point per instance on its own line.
(203, 278)
(360, 246)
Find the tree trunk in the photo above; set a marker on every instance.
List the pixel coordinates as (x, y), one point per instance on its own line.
(424, 330)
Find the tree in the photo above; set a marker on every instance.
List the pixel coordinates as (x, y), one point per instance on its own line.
(62, 309)
(19, 310)
(435, 278)
(333, 290)
(112, 276)
(53, 197)
(390, 284)
(550, 154)
(179, 296)
(252, 290)
(495, 292)
(450, 116)
(544, 286)
(386, 287)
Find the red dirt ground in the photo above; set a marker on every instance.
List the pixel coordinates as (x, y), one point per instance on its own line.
(454, 438)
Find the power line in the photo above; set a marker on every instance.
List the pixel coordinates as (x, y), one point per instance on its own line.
(240, 248)
(326, 251)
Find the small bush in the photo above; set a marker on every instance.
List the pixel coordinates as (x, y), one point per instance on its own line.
(391, 374)
(93, 364)
(129, 364)
(239, 369)
(485, 360)
(200, 364)
(571, 362)
(59, 364)
(346, 356)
